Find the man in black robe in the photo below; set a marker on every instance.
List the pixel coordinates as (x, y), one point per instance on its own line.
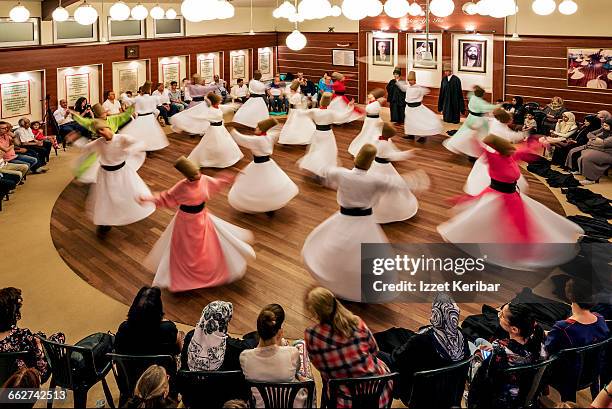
(450, 101)
(396, 98)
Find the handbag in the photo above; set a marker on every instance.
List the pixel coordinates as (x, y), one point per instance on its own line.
(100, 344)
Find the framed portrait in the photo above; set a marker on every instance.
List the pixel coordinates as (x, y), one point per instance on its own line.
(238, 66)
(419, 48)
(473, 56)
(589, 68)
(383, 51)
(343, 58)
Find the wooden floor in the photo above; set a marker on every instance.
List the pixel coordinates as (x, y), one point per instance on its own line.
(278, 275)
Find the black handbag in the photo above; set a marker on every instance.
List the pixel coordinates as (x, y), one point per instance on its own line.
(100, 344)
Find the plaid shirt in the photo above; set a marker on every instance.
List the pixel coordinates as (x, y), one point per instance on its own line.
(336, 356)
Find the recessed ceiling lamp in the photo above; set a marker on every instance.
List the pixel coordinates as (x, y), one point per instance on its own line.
(442, 8)
(119, 11)
(19, 14)
(544, 7)
(396, 8)
(139, 12)
(568, 7)
(86, 14)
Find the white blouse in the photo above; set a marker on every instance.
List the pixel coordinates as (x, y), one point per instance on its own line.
(503, 131)
(259, 145)
(327, 116)
(116, 150)
(387, 150)
(257, 87)
(373, 108)
(145, 104)
(358, 189)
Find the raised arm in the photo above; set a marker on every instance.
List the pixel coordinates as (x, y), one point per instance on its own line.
(86, 123)
(402, 85)
(247, 141)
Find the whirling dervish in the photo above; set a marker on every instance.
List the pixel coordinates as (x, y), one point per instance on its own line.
(419, 121)
(340, 102)
(261, 187)
(298, 128)
(145, 125)
(254, 110)
(372, 124)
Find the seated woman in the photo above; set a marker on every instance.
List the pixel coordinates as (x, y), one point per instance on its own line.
(152, 390)
(25, 379)
(432, 347)
(24, 138)
(83, 108)
(15, 339)
(554, 112)
(580, 138)
(522, 347)
(518, 111)
(565, 128)
(341, 345)
(596, 159)
(145, 332)
(208, 347)
(271, 361)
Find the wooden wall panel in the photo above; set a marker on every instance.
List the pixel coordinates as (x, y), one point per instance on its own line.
(537, 70)
(49, 58)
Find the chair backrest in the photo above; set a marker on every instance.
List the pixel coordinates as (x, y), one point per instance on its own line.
(62, 358)
(281, 395)
(128, 369)
(532, 106)
(440, 388)
(210, 389)
(365, 392)
(8, 363)
(582, 365)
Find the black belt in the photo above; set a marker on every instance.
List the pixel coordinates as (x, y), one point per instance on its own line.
(125, 124)
(193, 209)
(323, 127)
(148, 113)
(216, 124)
(476, 113)
(292, 106)
(373, 116)
(503, 187)
(197, 99)
(112, 168)
(261, 159)
(414, 104)
(341, 93)
(381, 160)
(356, 212)
(257, 95)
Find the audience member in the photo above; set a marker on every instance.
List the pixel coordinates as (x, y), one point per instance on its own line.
(111, 105)
(554, 111)
(83, 108)
(235, 404)
(15, 339)
(24, 137)
(208, 347)
(278, 101)
(522, 347)
(596, 159)
(220, 88)
(325, 84)
(604, 116)
(518, 111)
(24, 378)
(165, 108)
(271, 361)
(531, 125)
(307, 87)
(560, 155)
(239, 92)
(565, 128)
(40, 136)
(604, 398)
(341, 345)
(185, 91)
(14, 155)
(127, 99)
(19, 170)
(64, 120)
(175, 97)
(152, 390)
(145, 332)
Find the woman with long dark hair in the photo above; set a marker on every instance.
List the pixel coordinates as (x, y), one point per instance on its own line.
(562, 149)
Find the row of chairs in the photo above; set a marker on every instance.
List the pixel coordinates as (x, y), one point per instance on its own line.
(435, 388)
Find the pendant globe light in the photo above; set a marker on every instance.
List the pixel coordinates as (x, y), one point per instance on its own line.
(396, 8)
(86, 14)
(19, 14)
(119, 11)
(157, 13)
(544, 7)
(415, 10)
(470, 8)
(139, 12)
(354, 9)
(192, 11)
(60, 14)
(427, 58)
(285, 10)
(442, 8)
(374, 8)
(170, 14)
(314, 9)
(568, 7)
(226, 10)
(336, 11)
(296, 40)
(503, 8)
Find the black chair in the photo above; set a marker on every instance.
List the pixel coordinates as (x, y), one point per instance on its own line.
(526, 378)
(530, 107)
(539, 116)
(8, 361)
(582, 368)
(439, 388)
(281, 395)
(66, 374)
(127, 369)
(211, 389)
(365, 392)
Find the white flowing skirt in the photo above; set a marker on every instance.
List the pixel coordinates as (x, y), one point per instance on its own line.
(261, 187)
(462, 142)
(235, 243)
(475, 224)
(422, 121)
(322, 153)
(252, 112)
(135, 161)
(146, 128)
(339, 105)
(112, 200)
(479, 179)
(217, 149)
(190, 120)
(370, 132)
(396, 205)
(298, 129)
(332, 253)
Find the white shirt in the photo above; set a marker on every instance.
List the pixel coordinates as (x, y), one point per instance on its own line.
(164, 96)
(295, 98)
(373, 108)
(415, 93)
(358, 189)
(60, 116)
(239, 91)
(116, 150)
(127, 101)
(257, 87)
(24, 135)
(387, 150)
(276, 91)
(212, 115)
(259, 145)
(327, 116)
(145, 104)
(503, 131)
(113, 108)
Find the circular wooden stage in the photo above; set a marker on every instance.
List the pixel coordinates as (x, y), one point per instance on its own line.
(278, 275)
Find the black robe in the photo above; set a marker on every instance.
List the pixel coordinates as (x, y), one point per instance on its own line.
(397, 102)
(451, 101)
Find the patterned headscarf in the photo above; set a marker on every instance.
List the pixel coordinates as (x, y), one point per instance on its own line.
(557, 103)
(445, 327)
(206, 350)
(570, 124)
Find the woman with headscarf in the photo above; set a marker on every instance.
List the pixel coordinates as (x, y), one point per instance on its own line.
(554, 111)
(579, 139)
(518, 112)
(596, 159)
(208, 347)
(566, 127)
(571, 162)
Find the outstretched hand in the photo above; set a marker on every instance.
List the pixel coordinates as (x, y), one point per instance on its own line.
(417, 180)
(225, 176)
(142, 200)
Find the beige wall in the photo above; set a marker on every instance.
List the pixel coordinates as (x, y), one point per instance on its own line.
(591, 19)
(341, 25)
